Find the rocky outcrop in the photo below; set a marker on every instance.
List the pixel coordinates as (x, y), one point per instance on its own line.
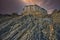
(33, 24)
(56, 16)
(34, 10)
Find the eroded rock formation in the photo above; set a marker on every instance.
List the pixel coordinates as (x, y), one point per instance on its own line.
(33, 24)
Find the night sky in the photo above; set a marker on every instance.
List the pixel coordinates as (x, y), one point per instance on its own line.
(10, 6)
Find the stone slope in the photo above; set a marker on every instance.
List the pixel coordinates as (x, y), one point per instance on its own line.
(28, 26)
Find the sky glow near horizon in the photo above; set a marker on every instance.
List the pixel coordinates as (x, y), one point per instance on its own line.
(10, 6)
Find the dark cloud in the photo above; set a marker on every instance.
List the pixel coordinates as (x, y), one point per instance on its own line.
(9, 6)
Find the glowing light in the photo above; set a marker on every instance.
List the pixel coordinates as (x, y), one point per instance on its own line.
(39, 2)
(27, 1)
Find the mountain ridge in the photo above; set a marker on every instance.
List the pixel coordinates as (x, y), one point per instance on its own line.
(28, 26)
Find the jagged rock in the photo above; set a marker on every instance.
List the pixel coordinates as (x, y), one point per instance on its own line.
(34, 10)
(56, 16)
(33, 24)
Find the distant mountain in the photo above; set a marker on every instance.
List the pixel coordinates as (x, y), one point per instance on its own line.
(33, 24)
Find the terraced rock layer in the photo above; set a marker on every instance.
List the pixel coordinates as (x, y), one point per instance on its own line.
(29, 26)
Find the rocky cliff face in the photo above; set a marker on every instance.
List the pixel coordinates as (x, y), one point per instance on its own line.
(56, 16)
(34, 10)
(33, 24)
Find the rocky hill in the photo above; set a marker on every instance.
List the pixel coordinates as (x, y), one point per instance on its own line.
(33, 24)
(56, 16)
